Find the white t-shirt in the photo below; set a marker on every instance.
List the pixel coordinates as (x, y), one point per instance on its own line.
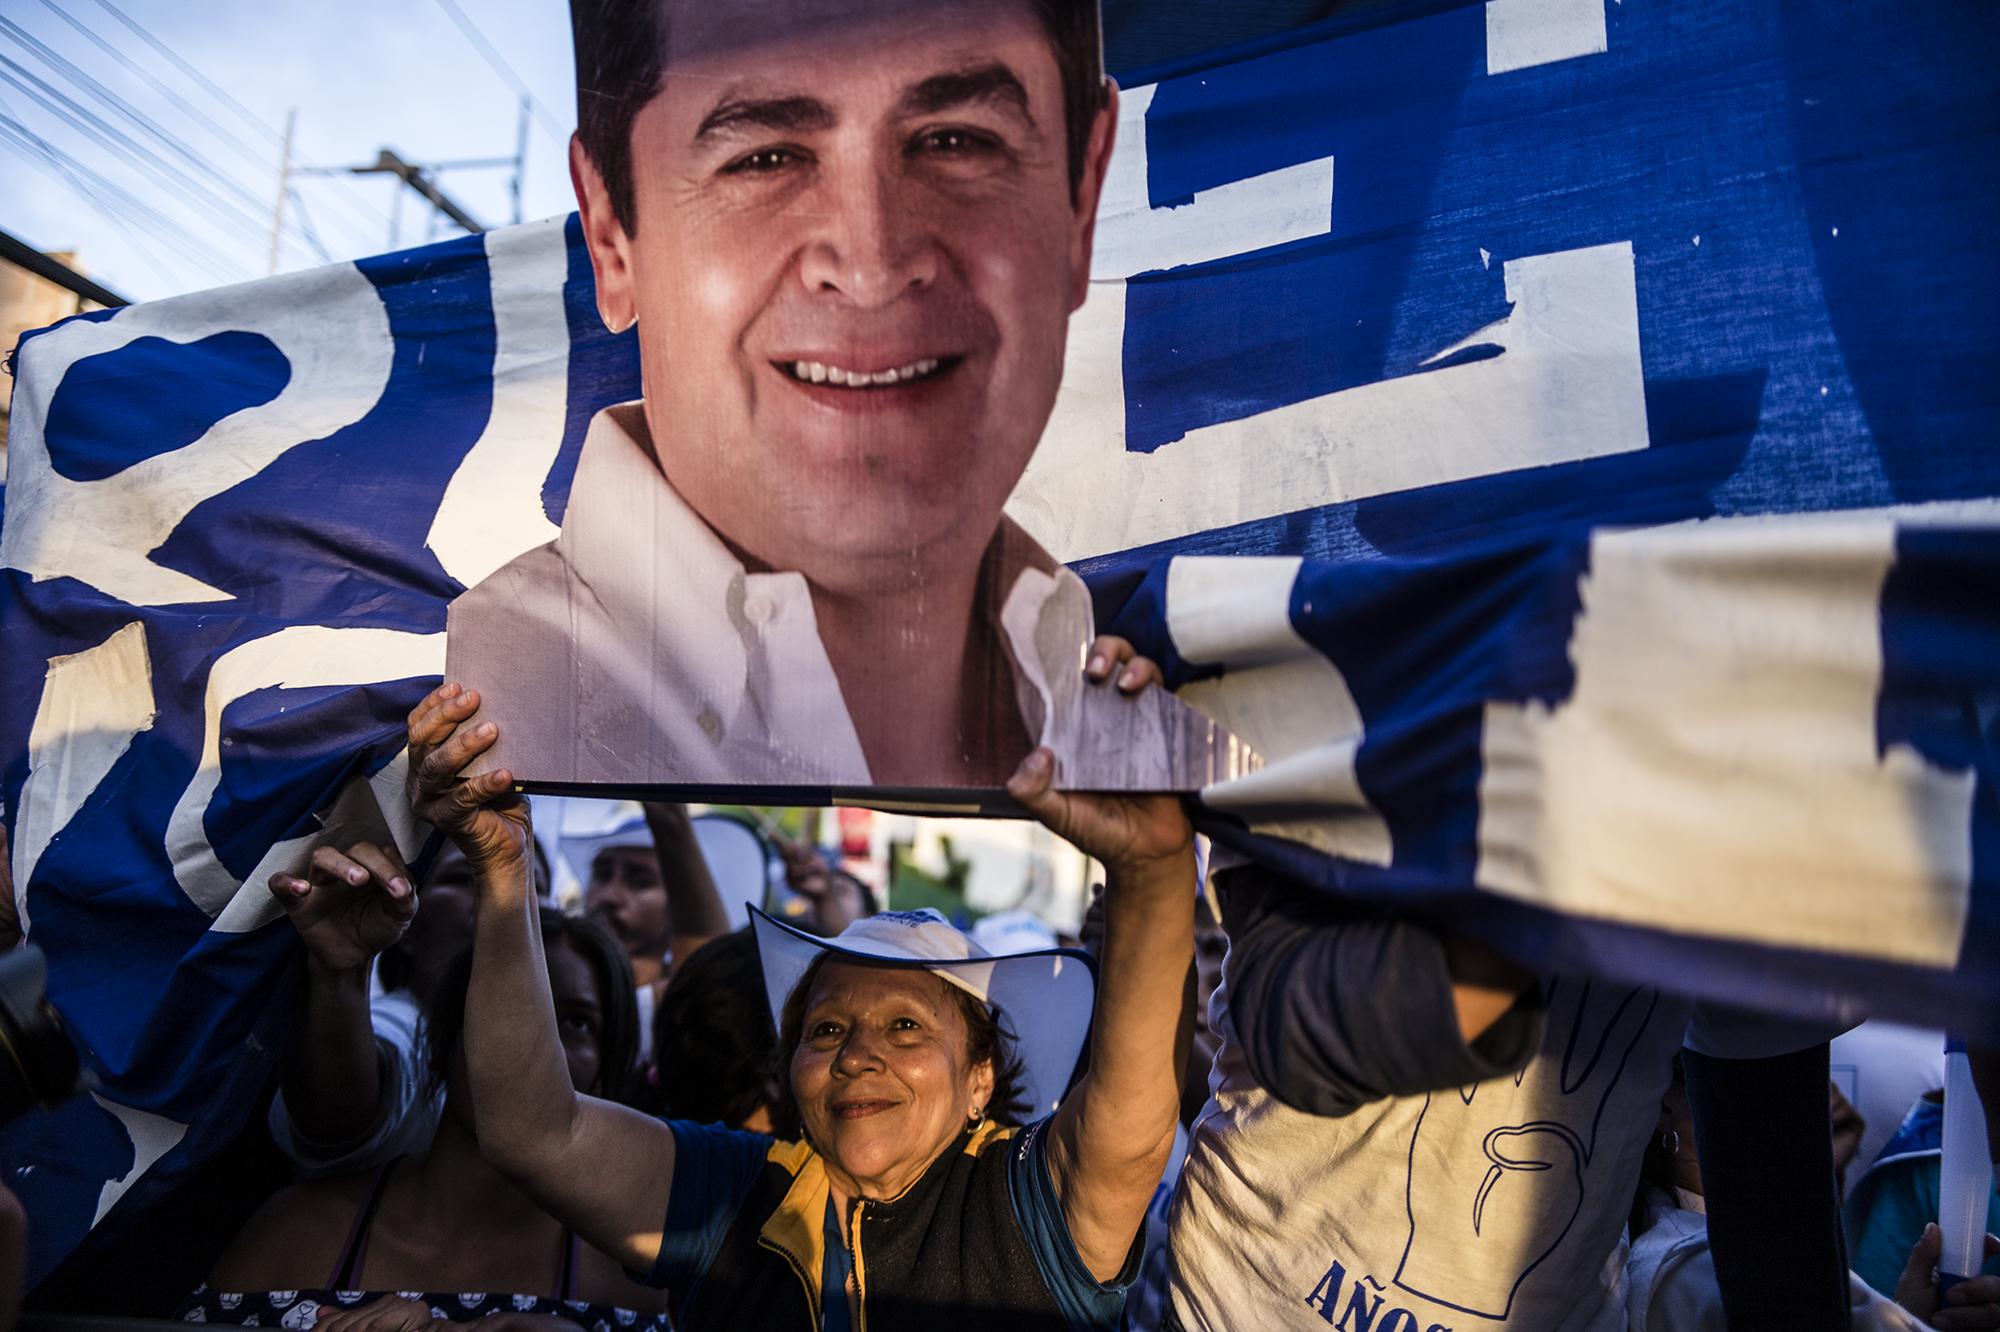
(1672, 1285)
(409, 1107)
(1499, 1206)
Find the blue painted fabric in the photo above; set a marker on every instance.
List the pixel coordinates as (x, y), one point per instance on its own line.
(1805, 194)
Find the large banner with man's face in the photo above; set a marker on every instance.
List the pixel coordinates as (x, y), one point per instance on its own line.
(1553, 437)
(851, 242)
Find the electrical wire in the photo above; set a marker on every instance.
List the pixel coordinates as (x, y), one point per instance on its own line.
(114, 204)
(550, 125)
(356, 211)
(130, 211)
(81, 79)
(246, 227)
(355, 214)
(243, 112)
(222, 132)
(306, 224)
(31, 150)
(219, 198)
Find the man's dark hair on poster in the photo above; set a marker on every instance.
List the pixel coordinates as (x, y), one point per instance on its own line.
(620, 62)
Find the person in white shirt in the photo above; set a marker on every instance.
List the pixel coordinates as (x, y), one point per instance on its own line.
(851, 239)
(1670, 1279)
(1409, 1134)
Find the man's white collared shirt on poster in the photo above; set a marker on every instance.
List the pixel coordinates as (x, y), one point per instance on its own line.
(637, 648)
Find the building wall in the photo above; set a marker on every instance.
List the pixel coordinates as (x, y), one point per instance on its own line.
(28, 301)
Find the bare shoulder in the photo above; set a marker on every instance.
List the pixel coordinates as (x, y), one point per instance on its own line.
(294, 1240)
(601, 1280)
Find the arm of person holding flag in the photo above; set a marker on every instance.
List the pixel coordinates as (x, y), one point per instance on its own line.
(1338, 1004)
(1113, 1134)
(337, 1098)
(605, 1170)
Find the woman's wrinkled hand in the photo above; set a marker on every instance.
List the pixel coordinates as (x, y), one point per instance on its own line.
(483, 816)
(1129, 833)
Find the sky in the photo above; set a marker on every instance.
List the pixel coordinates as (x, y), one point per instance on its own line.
(162, 177)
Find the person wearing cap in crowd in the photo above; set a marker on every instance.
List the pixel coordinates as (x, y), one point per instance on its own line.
(904, 1190)
(1013, 932)
(647, 881)
(665, 884)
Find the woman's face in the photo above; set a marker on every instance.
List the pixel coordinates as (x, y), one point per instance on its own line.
(579, 1024)
(579, 1015)
(881, 1074)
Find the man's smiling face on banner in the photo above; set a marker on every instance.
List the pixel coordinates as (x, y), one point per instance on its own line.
(855, 256)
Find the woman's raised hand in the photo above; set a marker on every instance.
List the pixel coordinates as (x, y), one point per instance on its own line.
(482, 815)
(1126, 832)
(351, 904)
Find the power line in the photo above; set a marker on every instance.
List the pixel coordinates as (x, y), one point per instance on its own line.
(187, 108)
(550, 125)
(138, 118)
(306, 224)
(109, 198)
(209, 85)
(214, 90)
(36, 153)
(116, 206)
(216, 196)
(356, 212)
(93, 127)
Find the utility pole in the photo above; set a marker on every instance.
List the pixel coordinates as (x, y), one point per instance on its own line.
(423, 181)
(284, 188)
(420, 180)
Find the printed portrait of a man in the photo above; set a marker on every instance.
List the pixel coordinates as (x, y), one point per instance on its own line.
(851, 236)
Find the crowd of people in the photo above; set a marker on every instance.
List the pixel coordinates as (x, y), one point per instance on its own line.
(1239, 1103)
(1256, 1105)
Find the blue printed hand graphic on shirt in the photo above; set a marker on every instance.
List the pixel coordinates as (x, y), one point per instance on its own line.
(1497, 1180)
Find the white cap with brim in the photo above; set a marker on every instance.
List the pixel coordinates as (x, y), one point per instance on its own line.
(1043, 998)
(733, 849)
(1013, 932)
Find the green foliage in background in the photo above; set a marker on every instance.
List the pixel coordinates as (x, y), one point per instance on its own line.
(912, 887)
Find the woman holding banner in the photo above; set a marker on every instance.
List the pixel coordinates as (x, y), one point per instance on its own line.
(904, 1194)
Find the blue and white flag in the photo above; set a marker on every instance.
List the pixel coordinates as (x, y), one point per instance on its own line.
(1559, 434)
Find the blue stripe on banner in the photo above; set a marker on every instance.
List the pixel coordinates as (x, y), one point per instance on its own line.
(1762, 226)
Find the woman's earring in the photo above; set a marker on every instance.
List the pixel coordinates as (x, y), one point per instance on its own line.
(978, 1113)
(1670, 1142)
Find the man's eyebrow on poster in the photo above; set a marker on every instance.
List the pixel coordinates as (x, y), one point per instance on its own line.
(987, 86)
